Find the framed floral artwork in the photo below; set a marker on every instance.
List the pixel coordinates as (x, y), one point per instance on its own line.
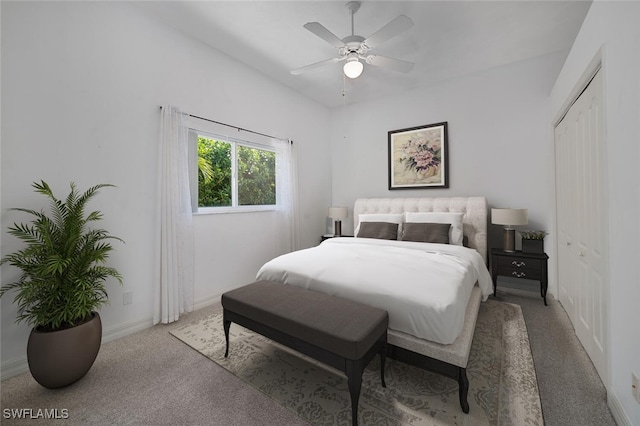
(418, 157)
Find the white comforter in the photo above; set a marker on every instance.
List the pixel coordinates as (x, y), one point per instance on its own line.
(424, 287)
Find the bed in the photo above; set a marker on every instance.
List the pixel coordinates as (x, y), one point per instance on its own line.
(431, 290)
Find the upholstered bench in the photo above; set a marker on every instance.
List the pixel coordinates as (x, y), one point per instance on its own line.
(340, 333)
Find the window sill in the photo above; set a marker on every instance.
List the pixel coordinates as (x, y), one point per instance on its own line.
(226, 210)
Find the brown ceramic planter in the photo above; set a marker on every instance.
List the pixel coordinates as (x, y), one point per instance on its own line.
(59, 358)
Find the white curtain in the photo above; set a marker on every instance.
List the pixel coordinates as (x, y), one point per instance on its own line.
(175, 252)
(287, 194)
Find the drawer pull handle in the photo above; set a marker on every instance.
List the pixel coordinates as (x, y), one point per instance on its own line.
(518, 264)
(518, 274)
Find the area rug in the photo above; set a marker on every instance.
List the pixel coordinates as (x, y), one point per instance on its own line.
(502, 382)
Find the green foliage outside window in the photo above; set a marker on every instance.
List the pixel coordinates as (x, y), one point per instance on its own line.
(256, 177)
(256, 174)
(214, 190)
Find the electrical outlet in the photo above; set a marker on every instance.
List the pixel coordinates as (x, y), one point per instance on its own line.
(635, 387)
(127, 298)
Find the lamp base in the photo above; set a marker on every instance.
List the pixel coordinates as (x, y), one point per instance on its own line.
(509, 240)
(337, 228)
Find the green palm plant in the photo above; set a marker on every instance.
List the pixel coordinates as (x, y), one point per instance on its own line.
(205, 168)
(64, 263)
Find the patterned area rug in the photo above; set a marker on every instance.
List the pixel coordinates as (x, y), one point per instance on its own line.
(502, 382)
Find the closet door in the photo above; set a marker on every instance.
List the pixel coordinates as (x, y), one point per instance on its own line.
(565, 198)
(581, 222)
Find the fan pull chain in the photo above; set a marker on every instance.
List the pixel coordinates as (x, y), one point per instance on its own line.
(344, 106)
(344, 88)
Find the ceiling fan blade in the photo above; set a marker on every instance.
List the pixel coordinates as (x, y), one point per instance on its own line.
(390, 63)
(314, 66)
(322, 32)
(392, 29)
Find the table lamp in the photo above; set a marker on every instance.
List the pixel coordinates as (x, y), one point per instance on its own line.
(337, 214)
(509, 218)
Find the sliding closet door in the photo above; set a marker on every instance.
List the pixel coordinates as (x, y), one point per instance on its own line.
(581, 222)
(565, 142)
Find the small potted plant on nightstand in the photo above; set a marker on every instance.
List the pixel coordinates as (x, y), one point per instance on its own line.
(533, 241)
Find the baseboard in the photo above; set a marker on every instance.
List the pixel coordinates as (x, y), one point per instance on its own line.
(14, 367)
(207, 301)
(124, 329)
(519, 292)
(617, 410)
(17, 366)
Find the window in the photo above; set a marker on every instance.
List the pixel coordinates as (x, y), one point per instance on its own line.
(233, 174)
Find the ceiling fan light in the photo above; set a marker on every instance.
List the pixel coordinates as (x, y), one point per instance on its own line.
(353, 68)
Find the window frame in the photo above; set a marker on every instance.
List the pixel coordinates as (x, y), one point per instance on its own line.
(235, 143)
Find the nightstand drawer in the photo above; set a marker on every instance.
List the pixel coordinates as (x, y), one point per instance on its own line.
(518, 263)
(530, 274)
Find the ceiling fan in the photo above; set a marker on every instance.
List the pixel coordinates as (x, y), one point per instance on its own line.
(355, 48)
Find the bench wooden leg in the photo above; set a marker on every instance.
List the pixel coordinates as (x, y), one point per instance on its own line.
(463, 389)
(383, 358)
(226, 325)
(354, 370)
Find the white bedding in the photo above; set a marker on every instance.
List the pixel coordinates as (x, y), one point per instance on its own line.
(425, 287)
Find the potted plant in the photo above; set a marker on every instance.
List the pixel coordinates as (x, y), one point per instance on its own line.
(533, 241)
(62, 285)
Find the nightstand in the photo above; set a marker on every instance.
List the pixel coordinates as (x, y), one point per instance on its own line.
(518, 264)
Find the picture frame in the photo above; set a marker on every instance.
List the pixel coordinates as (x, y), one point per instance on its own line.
(418, 157)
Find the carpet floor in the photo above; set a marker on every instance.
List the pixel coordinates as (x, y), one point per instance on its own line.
(502, 380)
(152, 378)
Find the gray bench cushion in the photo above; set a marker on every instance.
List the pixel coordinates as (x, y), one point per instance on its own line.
(346, 328)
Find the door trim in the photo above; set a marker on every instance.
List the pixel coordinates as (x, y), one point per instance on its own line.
(580, 85)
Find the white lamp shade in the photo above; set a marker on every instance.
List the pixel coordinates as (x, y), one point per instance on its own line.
(509, 217)
(353, 68)
(338, 213)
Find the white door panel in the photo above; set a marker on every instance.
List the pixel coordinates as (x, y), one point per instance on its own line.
(581, 222)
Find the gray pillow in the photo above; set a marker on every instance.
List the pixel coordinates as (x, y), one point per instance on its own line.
(380, 230)
(426, 232)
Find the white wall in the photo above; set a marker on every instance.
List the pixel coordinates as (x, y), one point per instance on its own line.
(499, 142)
(611, 32)
(81, 87)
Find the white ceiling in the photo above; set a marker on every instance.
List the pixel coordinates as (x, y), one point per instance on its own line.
(448, 38)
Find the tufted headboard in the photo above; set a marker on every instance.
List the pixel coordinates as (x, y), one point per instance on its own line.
(474, 208)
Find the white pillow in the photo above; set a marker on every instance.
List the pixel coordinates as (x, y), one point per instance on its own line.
(455, 219)
(381, 217)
